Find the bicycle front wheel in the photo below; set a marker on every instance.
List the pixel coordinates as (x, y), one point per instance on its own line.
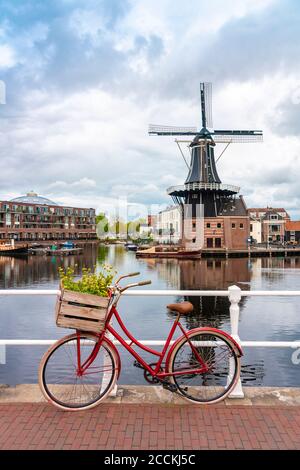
(60, 382)
(222, 362)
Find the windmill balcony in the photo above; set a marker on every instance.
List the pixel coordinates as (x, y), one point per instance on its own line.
(205, 186)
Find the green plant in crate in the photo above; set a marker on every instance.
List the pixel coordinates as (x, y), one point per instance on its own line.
(91, 282)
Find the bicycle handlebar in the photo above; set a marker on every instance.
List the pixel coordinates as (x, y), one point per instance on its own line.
(144, 283)
(127, 275)
(135, 284)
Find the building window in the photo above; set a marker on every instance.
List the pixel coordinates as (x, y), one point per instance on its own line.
(274, 217)
(209, 242)
(218, 243)
(241, 225)
(194, 240)
(208, 225)
(219, 225)
(194, 224)
(251, 228)
(232, 225)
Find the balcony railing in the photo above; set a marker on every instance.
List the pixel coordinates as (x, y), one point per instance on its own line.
(233, 293)
(204, 186)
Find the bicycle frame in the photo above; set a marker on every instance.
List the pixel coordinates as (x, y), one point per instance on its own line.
(133, 341)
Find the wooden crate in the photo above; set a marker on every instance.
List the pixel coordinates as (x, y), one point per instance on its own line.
(79, 311)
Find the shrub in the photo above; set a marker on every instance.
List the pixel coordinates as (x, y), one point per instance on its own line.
(91, 282)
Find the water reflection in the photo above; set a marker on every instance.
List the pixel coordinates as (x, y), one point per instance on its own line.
(261, 318)
(27, 271)
(206, 274)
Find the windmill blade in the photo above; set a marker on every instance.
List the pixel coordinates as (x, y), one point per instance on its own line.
(171, 130)
(236, 136)
(206, 104)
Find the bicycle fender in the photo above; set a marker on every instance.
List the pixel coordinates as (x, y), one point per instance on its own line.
(230, 338)
(194, 330)
(111, 344)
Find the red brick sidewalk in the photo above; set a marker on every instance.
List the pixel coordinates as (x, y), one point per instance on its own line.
(40, 426)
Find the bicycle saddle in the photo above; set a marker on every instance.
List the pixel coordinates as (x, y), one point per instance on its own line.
(183, 307)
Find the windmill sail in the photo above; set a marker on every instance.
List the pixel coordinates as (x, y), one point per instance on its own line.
(206, 104)
(237, 136)
(171, 130)
(206, 130)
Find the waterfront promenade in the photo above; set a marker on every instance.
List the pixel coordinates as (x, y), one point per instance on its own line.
(149, 418)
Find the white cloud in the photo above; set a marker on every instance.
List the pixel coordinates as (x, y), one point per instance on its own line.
(80, 185)
(87, 24)
(7, 57)
(85, 91)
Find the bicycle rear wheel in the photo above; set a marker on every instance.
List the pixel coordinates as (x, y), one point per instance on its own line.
(222, 361)
(58, 378)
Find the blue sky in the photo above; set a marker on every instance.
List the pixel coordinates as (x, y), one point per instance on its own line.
(84, 78)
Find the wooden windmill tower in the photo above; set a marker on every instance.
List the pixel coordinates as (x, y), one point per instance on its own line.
(203, 194)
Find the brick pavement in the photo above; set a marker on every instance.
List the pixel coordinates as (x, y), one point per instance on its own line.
(149, 427)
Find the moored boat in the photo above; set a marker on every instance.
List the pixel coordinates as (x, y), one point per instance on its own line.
(131, 247)
(10, 248)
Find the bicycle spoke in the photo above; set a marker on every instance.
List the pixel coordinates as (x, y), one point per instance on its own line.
(62, 382)
(215, 352)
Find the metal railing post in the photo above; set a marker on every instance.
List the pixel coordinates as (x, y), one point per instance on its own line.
(2, 354)
(234, 295)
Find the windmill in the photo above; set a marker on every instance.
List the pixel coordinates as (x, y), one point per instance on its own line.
(203, 185)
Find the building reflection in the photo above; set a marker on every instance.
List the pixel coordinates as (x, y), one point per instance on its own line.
(30, 271)
(206, 274)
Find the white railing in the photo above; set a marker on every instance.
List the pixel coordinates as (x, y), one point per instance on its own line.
(206, 186)
(234, 294)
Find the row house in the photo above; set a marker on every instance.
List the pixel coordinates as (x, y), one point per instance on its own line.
(292, 231)
(267, 225)
(168, 225)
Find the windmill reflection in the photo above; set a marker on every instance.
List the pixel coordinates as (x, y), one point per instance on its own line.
(206, 274)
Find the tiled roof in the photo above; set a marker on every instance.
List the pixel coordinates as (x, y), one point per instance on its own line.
(293, 225)
(234, 207)
(266, 209)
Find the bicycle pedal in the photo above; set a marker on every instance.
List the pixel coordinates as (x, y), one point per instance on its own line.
(137, 364)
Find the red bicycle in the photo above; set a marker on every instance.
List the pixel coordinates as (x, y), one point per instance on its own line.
(80, 370)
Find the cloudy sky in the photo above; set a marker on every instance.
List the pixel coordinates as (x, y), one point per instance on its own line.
(84, 78)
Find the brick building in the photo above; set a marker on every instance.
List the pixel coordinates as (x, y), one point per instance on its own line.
(230, 229)
(33, 217)
(273, 222)
(292, 231)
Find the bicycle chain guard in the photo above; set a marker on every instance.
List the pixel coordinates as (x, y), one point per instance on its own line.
(149, 378)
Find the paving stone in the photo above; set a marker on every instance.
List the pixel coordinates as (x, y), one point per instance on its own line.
(149, 426)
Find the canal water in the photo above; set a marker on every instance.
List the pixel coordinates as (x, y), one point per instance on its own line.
(261, 318)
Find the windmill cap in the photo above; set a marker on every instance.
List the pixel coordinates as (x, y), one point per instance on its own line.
(203, 134)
